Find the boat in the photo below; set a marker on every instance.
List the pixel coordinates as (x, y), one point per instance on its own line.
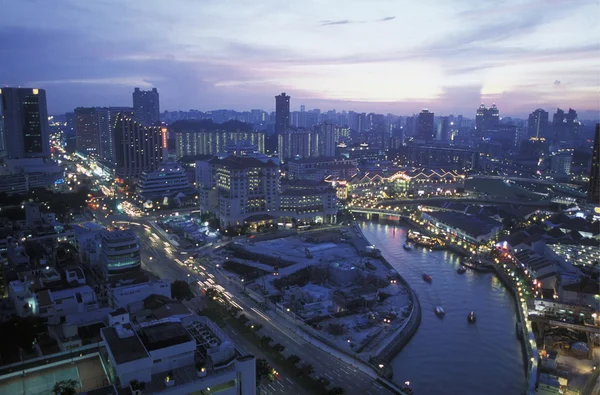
(461, 270)
(471, 317)
(427, 278)
(439, 311)
(406, 247)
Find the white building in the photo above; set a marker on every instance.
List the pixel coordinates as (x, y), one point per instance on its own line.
(317, 169)
(238, 187)
(88, 240)
(164, 355)
(120, 251)
(130, 293)
(167, 181)
(308, 201)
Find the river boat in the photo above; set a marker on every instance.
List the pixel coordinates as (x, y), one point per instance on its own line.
(471, 317)
(427, 277)
(439, 311)
(461, 270)
(406, 247)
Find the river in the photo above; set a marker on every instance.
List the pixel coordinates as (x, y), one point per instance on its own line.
(449, 355)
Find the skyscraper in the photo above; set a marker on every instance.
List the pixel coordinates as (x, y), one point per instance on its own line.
(565, 126)
(107, 117)
(146, 107)
(443, 129)
(300, 143)
(594, 187)
(425, 129)
(326, 139)
(137, 148)
(486, 119)
(282, 113)
(86, 130)
(538, 124)
(23, 123)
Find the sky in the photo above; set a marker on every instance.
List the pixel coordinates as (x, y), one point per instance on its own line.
(385, 56)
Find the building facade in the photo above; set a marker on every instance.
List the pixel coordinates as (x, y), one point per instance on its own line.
(594, 186)
(24, 123)
(146, 107)
(120, 251)
(298, 143)
(308, 201)
(87, 131)
(486, 119)
(282, 113)
(537, 125)
(317, 169)
(138, 148)
(209, 142)
(425, 126)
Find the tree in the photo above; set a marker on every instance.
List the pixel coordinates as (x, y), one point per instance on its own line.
(307, 369)
(336, 391)
(180, 290)
(65, 387)
(324, 382)
(294, 359)
(265, 340)
(243, 319)
(278, 347)
(263, 369)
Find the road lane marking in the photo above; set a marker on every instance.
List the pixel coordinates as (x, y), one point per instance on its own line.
(289, 380)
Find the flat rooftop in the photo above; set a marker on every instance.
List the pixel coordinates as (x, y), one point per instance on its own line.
(163, 335)
(124, 349)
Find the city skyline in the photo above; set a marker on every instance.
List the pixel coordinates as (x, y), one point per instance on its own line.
(448, 58)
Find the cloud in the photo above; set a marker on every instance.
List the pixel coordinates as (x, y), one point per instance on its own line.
(387, 18)
(340, 22)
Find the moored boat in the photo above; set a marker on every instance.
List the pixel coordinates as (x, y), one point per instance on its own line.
(439, 311)
(406, 247)
(471, 317)
(427, 277)
(461, 270)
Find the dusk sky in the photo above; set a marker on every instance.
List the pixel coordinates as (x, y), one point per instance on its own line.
(387, 56)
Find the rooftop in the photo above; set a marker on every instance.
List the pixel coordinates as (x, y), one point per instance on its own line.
(242, 162)
(163, 335)
(124, 349)
(473, 225)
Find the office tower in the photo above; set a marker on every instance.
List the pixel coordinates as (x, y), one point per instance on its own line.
(409, 127)
(425, 129)
(107, 117)
(245, 187)
(24, 123)
(194, 139)
(594, 187)
(302, 108)
(560, 162)
(299, 143)
(565, 126)
(86, 130)
(120, 251)
(486, 119)
(146, 107)
(70, 121)
(138, 148)
(443, 129)
(537, 126)
(326, 139)
(282, 113)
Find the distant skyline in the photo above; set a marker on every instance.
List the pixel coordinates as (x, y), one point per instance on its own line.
(385, 56)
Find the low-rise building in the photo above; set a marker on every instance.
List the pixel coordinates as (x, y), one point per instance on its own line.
(473, 229)
(129, 291)
(168, 182)
(177, 356)
(308, 201)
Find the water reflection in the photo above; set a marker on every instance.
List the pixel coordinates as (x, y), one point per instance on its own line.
(449, 355)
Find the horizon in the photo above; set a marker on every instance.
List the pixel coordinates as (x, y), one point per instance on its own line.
(450, 58)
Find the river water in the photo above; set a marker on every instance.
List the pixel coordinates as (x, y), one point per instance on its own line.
(449, 355)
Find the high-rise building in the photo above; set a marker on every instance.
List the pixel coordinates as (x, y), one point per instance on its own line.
(425, 127)
(560, 162)
(86, 130)
(138, 148)
(594, 187)
(146, 107)
(107, 117)
(282, 113)
(565, 126)
(326, 139)
(486, 119)
(298, 143)
(443, 129)
(24, 123)
(538, 124)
